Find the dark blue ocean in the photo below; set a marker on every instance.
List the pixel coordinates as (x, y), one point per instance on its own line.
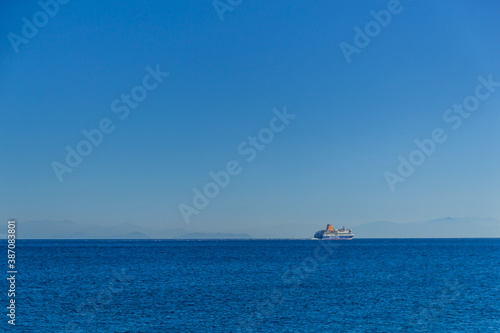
(438, 285)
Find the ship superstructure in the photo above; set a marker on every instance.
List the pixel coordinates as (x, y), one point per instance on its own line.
(336, 234)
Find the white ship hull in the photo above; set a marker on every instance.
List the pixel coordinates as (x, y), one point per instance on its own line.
(334, 234)
(338, 237)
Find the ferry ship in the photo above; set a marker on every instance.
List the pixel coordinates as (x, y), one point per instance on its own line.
(336, 234)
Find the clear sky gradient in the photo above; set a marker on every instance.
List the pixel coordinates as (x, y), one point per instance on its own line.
(327, 166)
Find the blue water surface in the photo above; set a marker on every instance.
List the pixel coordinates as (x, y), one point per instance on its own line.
(403, 285)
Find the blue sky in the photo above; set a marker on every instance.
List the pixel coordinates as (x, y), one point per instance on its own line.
(353, 120)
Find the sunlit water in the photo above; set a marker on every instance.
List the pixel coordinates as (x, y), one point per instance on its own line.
(257, 286)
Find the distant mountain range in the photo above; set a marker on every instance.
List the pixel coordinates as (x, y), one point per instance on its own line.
(439, 228)
(219, 235)
(46, 229)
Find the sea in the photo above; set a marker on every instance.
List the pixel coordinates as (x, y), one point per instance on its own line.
(362, 285)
